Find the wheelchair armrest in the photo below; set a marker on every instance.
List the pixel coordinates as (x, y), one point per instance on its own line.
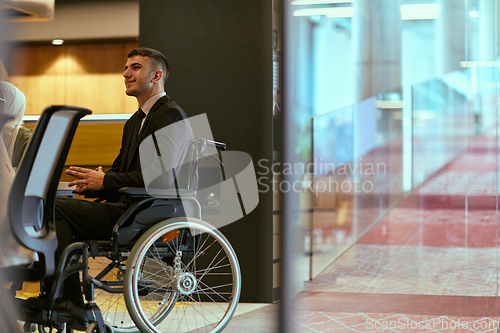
(157, 193)
(130, 211)
(134, 192)
(91, 194)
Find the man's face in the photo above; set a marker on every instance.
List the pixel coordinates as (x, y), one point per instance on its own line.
(138, 76)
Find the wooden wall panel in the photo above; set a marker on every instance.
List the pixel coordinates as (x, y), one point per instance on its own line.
(40, 91)
(86, 75)
(95, 143)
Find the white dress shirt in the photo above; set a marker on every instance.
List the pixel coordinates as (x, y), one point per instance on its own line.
(146, 107)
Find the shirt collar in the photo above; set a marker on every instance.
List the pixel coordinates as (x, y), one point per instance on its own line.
(146, 107)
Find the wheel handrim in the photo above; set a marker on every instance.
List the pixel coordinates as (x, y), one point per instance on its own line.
(209, 304)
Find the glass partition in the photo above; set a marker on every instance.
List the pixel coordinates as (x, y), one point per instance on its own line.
(403, 97)
(357, 158)
(332, 229)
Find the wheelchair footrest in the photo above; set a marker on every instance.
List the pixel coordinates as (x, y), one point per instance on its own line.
(94, 315)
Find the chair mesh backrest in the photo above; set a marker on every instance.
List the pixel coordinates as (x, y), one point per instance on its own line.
(32, 197)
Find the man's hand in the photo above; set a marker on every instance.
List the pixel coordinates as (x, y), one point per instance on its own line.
(87, 179)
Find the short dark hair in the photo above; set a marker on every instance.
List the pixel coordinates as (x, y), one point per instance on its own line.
(158, 58)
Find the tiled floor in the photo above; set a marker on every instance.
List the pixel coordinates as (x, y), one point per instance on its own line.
(430, 265)
(395, 323)
(429, 305)
(411, 270)
(436, 228)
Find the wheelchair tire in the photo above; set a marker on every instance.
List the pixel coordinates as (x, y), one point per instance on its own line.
(112, 305)
(206, 277)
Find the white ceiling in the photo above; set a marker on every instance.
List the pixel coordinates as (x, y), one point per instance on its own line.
(75, 20)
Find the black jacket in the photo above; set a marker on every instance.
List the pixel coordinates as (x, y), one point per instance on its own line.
(126, 169)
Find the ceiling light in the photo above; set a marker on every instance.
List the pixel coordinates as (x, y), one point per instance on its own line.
(479, 64)
(329, 12)
(474, 13)
(424, 114)
(427, 11)
(319, 2)
(384, 104)
(57, 41)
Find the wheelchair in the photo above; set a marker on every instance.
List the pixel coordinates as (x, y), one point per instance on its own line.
(164, 269)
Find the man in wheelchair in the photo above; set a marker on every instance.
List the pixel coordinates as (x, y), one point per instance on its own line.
(137, 256)
(145, 73)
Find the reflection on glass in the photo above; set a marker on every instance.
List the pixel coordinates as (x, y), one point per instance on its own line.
(440, 123)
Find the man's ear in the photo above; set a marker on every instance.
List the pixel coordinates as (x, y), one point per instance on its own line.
(157, 75)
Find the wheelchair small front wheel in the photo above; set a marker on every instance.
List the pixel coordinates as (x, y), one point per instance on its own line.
(47, 329)
(192, 259)
(29, 327)
(112, 305)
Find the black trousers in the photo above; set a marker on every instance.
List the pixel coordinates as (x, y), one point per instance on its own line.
(80, 220)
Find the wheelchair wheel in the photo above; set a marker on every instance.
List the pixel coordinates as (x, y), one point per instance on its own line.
(206, 277)
(112, 305)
